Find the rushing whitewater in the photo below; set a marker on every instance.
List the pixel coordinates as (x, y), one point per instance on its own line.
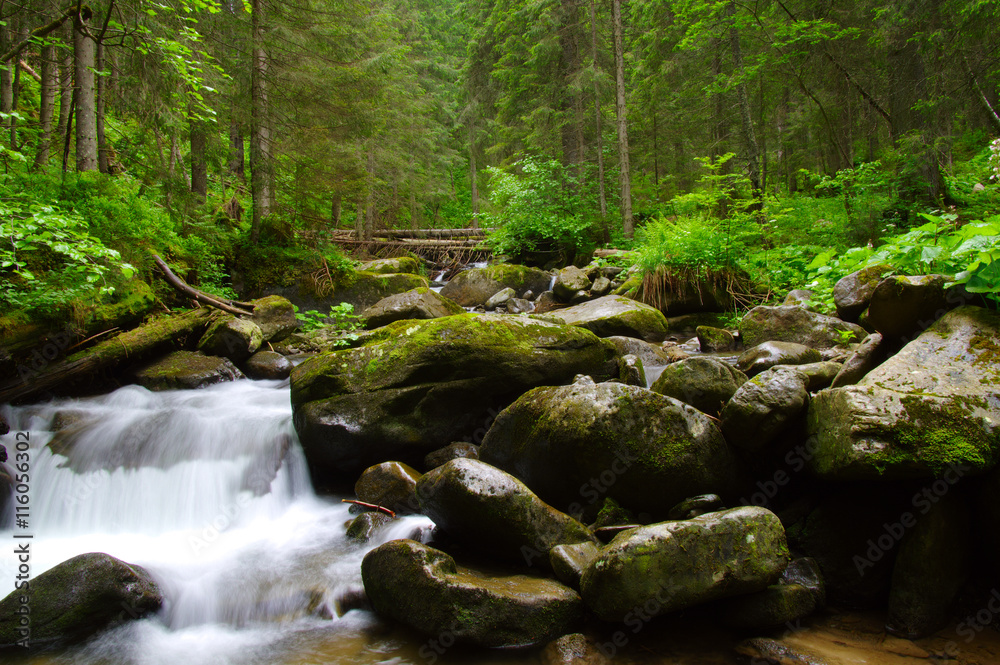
(209, 491)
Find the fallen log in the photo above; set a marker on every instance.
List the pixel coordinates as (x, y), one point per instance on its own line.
(232, 306)
(60, 378)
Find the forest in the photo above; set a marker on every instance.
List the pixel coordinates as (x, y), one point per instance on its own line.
(787, 142)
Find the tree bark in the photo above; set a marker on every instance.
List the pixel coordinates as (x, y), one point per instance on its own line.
(597, 124)
(6, 74)
(336, 207)
(86, 98)
(746, 117)
(236, 151)
(473, 176)
(199, 164)
(261, 186)
(103, 161)
(628, 223)
(569, 101)
(46, 105)
(65, 83)
(370, 203)
(984, 102)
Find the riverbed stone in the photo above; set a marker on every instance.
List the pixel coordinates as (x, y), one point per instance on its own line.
(472, 288)
(696, 506)
(631, 371)
(574, 445)
(275, 316)
(231, 337)
(573, 649)
(763, 407)
(715, 340)
(704, 382)
(600, 287)
(788, 323)
(650, 354)
(616, 315)
(819, 375)
(853, 293)
(805, 571)
(931, 407)
(799, 298)
(903, 306)
(425, 589)
(500, 298)
(764, 356)
(400, 264)
(392, 485)
(456, 450)
(669, 566)
(420, 303)
(494, 511)
(364, 289)
(77, 599)
(186, 370)
(418, 385)
(865, 358)
(569, 561)
(364, 527)
(268, 365)
(569, 281)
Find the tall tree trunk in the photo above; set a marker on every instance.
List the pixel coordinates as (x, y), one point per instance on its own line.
(359, 222)
(336, 209)
(86, 99)
(46, 104)
(7, 40)
(597, 124)
(65, 82)
(370, 202)
(236, 151)
(628, 223)
(199, 164)
(260, 131)
(103, 161)
(981, 99)
(569, 101)
(746, 117)
(473, 175)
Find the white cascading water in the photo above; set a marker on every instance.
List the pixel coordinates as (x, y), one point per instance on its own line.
(209, 491)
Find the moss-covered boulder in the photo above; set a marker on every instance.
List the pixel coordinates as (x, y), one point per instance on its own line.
(75, 600)
(275, 316)
(186, 370)
(570, 281)
(853, 293)
(570, 560)
(419, 303)
(423, 588)
(903, 306)
(764, 356)
(500, 299)
(651, 355)
(495, 512)
(933, 406)
(615, 315)
(401, 264)
(472, 288)
(714, 340)
(415, 386)
(787, 323)
(131, 302)
(574, 445)
(268, 365)
(365, 526)
(455, 450)
(364, 289)
(704, 382)
(669, 566)
(392, 485)
(763, 407)
(231, 337)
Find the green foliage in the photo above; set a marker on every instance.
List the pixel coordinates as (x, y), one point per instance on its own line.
(866, 193)
(340, 318)
(541, 207)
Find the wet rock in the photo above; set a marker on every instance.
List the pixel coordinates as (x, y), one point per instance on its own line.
(364, 527)
(275, 316)
(612, 513)
(569, 561)
(576, 444)
(601, 287)
(764, 356)
(799, 298)
(805, 571)
(494, 511)
(616, 315)
(865, 358)
(766, 651)
(714, 340)
(696, 506)
(519, 306)
(4, 427)
(546, 302)
(423, 588)
(820, 375)
(853, 293)
(401, 264)
(903, 306)
(499, 299)
(649, 354)
(703, 382)
(573, 649)
(232, 338)
(457, 450)
(368, 288)
(268, 365)
(416, 385)
(630, 371)
(931, 407)
(931, 567)
(186, 370)
(472, 288)
(421, 303)
(795, 324)
(673, 565)
(777, 605)
(763, 407)
(78, 599)
(569, 281)
(392, 485)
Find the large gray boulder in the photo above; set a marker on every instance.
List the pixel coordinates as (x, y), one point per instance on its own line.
(364, 289)
(75, 600)
(933, 406)
(704, 382)
(903, 306)
(494, 511)
(415, 386)
(763, 407)
(186, 370)
(575, 445)
(421, 303)
(788, 323)
(650, 354)
(764, 356)
(392, 485)
(472, 288)
(423, 588)
(231, 337)
(853, 293)
(615, 315)
(275, 316)
(569, 281)
(399, 264)
(268, 365)
(673, 565)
